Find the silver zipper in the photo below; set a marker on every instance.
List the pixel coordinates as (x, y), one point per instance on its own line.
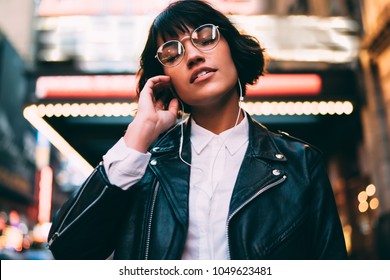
(58, 233)
(150, 222)
(246, 202)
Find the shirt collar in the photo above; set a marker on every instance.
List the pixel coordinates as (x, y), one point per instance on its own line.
(233, 138)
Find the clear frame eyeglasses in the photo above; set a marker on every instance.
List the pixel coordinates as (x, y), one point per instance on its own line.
(204, 38)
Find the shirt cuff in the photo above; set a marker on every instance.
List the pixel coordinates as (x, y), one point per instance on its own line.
(125, 166)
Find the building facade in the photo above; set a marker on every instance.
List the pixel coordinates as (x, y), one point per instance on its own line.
(374, 59)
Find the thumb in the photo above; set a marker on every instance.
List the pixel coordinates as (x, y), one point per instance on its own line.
(173, 106)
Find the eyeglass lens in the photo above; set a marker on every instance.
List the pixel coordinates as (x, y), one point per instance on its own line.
(204, 38)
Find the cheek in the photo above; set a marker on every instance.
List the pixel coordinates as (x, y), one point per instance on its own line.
(179, 84)
(228, 67)
(224, 55)
(231, 67)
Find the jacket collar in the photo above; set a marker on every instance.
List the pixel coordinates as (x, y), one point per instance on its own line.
(261, 144)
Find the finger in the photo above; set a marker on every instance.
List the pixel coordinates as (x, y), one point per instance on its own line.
(152, 84)
(173, 106)
(157, 82)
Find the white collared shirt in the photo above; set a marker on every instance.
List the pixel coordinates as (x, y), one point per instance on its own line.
(216, 160)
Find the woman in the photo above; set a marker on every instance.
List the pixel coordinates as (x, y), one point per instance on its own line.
(217, 185)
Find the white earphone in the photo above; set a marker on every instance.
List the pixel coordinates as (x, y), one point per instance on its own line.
(240, 88)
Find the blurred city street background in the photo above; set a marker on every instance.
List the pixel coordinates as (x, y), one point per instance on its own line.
(67, 94)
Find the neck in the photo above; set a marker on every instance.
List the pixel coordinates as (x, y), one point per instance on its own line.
(218, 119)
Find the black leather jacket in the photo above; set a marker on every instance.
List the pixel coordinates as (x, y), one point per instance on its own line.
(282, 206)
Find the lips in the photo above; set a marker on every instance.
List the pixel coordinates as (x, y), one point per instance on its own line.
(201, 72)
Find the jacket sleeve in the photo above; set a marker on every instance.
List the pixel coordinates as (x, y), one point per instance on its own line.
(328, 241)
(86, 225)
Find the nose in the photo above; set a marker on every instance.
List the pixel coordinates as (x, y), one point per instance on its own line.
(193, 55)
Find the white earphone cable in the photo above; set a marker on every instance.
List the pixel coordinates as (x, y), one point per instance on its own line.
(182, 123)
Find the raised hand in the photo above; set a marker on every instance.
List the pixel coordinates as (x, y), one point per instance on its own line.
(152, 118)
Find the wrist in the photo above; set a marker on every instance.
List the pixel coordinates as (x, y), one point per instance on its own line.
(138, 136)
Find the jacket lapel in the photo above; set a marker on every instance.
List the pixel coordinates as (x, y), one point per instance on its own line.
(173, 174)
(260, 168)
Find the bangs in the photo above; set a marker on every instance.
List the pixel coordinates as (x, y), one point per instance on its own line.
(171, 23)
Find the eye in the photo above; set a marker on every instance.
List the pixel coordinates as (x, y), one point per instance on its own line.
(206, 41)
(170, 58)
(205, 36)
(170, 52)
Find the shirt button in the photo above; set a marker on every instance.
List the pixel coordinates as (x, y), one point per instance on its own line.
(276, 172)
(153, 162)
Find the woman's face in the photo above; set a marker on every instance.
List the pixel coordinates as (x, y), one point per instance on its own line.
(204, 78)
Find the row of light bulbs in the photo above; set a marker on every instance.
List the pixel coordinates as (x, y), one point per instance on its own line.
(125, 109)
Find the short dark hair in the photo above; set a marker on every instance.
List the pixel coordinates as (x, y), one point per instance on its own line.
(247, 54)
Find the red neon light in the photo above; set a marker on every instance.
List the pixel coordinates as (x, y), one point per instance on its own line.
(286, 85)
(88, 87)
(123, 86)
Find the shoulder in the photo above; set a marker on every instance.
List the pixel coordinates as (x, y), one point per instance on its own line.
(279, 135)
(287, 137)
(298, 150)
(285, 143)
